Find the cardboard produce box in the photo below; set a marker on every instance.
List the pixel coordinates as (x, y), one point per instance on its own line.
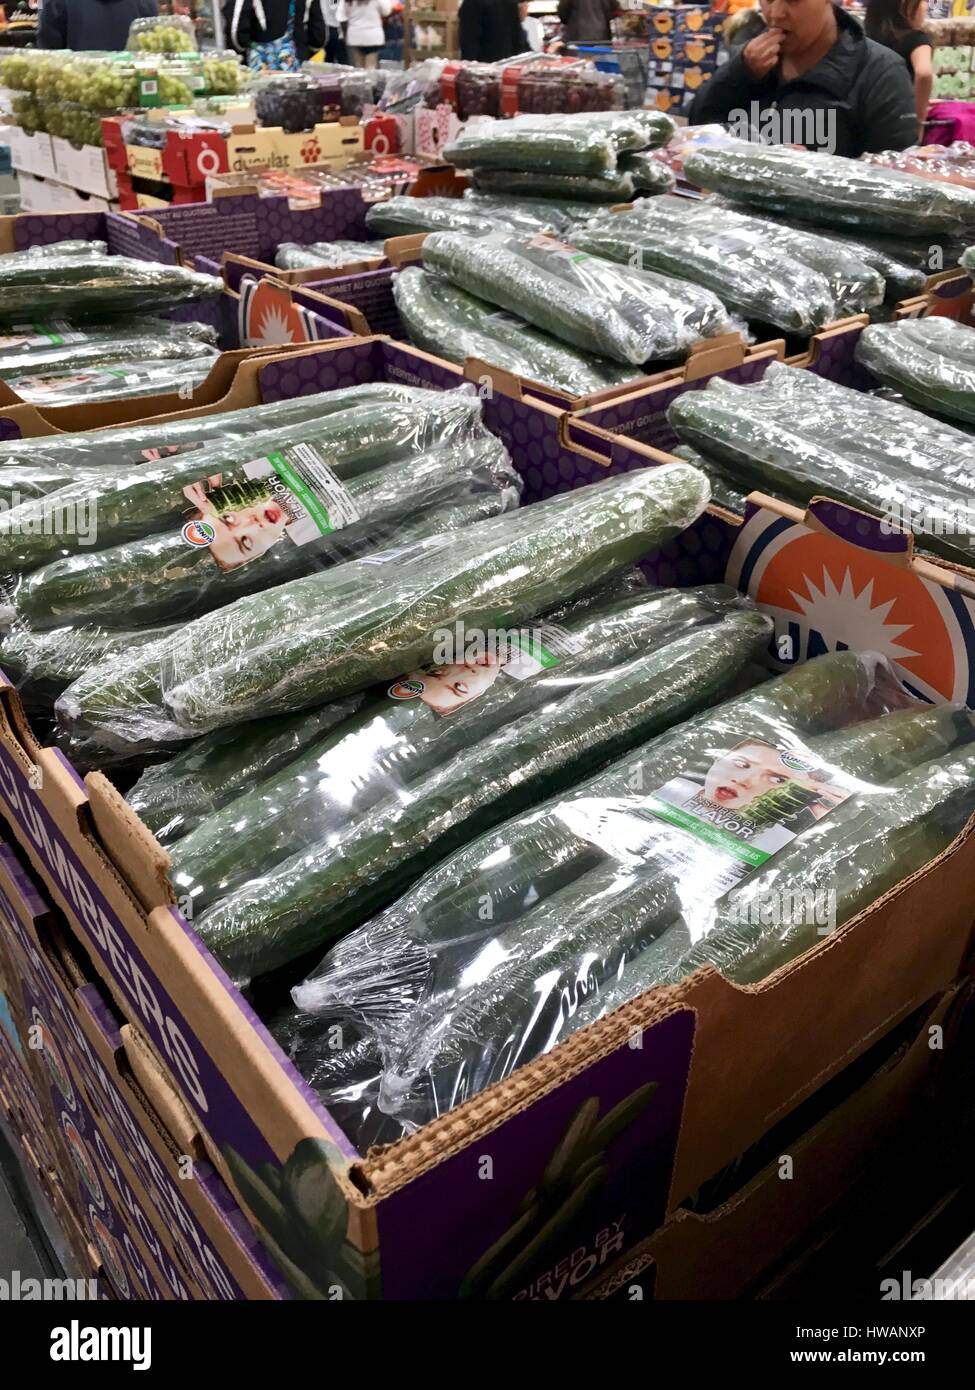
(85, 168)
(139, 1117)
(31, 154)
(414, 1219)
(725, 1250)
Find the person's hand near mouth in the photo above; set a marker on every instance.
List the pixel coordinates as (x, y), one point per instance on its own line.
(762, 54)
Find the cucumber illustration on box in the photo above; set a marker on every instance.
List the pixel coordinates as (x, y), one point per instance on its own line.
(544, 1222)
(302, 1217)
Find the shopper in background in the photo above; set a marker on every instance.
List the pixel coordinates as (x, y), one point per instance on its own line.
(275, 35)
(335, 16)
(490, 30)
(812, 69)
(899, 24)
(586, 21)
(90, 24)
(364, 32)
(533, 28)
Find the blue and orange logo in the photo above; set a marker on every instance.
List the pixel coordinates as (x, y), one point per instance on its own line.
(198, 533)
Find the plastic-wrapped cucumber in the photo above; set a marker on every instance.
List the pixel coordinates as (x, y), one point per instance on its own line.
(290, 255)
(42, 664)
(627, 130)
(753, 276)
(53, 251)
(434, 938)
(138, 502)
(617, 187)
(90, 286)
(796, 435)
(172, 798)
(162, 577)
(592, 705)
(724, 493)
(632, 316)
(649, 175)
(152, 440)
(123, 382)
(405, 216)
(445, 320)
(828, 190)
(54, 344)
(666, 859)
(549, 148)
(303, 642)
(968, 258)
(930, 361)
(545, 214)
(20, 482)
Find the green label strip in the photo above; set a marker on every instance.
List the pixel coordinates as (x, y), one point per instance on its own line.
(712, 834)
(312, 504)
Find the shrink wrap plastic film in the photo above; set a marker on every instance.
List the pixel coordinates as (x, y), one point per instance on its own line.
(53, 251)
(828, 190)
(331, 633)
(135, 340)
(930, 361)
(632, 316)
(120, 382)
(556, 214)
(180, 537)
(328, 254)
(817, 792)
(406, 216)
(795, 280)
(350, 824)
(93, 450)
(552, 146)
(617, 187)
(796, 435)
(87, 285)
(442, 319)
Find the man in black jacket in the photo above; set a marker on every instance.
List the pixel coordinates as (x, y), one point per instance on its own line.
(490, 30)
(813, 78)
(90, 24)
(259, 21)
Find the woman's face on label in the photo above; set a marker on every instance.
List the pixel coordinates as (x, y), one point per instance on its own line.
(446, 688)
(244, 535)
(738, 777)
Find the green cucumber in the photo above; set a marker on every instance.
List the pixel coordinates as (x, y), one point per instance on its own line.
(594, 304)
(617, 187)
(120, 382)
(543, 149)
(55, 344)
(85, 286)
(443, 319)
(162, 578)
(828, 190)
(930, 361)
(43, 664)
(557, 215)
(291, 255)
(796, 435)
(300, 818)
(649, 175)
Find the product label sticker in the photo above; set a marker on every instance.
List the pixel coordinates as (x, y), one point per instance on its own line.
(751, 801)
(291, 494)
(92, 381)
(471, 667)
(41, 335)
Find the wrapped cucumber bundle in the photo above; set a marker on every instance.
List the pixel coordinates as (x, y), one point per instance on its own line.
(348, 825)
(930, 361)
(195, 538)
(53, 251)
(968, 258)
(616, 187)
(547, 214)
(20, 482)
(649, 175)
(172, 798)
(126, 445)
(331, 633)
(443, 319)
(628, 130)
(405, 216)
(796, 435)
(90, 286)
(828, 190)
(328, 254)
(597, 895)
(548, 147)
(131, 379)
(134, 503)
(299, 515)
(42, 664)
(610, 310)
(54, 344)
(751, 275)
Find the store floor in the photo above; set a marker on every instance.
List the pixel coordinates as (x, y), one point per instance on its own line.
(24, 1244)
